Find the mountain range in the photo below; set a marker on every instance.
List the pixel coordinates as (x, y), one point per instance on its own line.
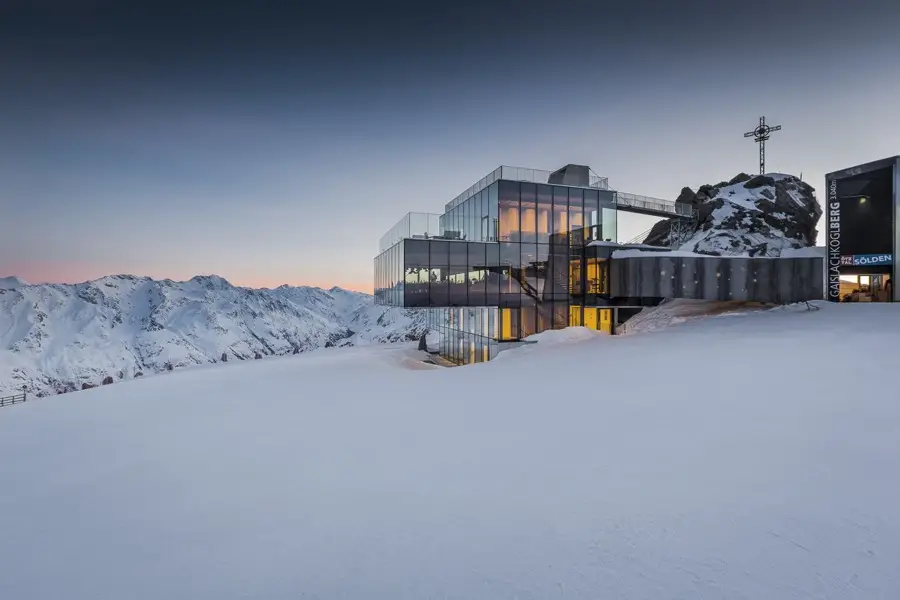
(57, 338)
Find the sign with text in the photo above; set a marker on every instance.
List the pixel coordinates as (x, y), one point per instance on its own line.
(861, 260)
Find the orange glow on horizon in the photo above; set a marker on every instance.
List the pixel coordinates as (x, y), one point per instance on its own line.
(37, 272)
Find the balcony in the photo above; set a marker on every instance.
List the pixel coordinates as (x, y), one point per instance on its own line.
(518, 174)
(412, 225)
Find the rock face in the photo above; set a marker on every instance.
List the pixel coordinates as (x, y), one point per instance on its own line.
(56, 337)
(749, 215)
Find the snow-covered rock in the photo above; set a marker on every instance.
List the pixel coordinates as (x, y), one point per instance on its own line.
(757, 216)
(57, 337)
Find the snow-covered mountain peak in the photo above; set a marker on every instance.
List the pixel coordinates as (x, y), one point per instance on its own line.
(12, 282)
(61, 337)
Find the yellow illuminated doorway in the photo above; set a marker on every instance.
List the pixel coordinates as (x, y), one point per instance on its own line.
(605, 320)
(574, 316)
(599, 319)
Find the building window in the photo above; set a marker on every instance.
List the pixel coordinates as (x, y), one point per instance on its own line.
(509, 211)
(560, 210)
(544, 213)
(576, 217)
(493, 212)
(597, 276)
(528, 212)
(591, 216)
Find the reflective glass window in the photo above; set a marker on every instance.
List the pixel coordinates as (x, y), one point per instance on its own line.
(416, 253)
(531, 286)
(575, 276)
(509, 323)
(560, 210)
(457, 285)
(439, 253)
(457, 254)
(466, 208)
(560, 315)
(509, 210)
(492, 280)
(469, 215)
(477, 275)
(558, 269)
(438, 281)
(597, 276)
(415, 288)
(390, 268)
(400, 272)
(528, 321)
(511, 272)
(608, 226)
(493, 212)
(544, 213)
(592, 215)
(576, 217)
(528, 212)
(544, 316)
(483, 220)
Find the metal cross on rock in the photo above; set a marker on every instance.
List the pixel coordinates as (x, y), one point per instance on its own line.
(760, 135)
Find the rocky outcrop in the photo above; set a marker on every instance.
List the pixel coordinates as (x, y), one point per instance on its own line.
(749, 215)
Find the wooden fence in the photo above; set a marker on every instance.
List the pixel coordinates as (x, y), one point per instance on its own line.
(10, 400)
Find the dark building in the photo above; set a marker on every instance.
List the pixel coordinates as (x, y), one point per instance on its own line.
(524, 251)
(862, 239)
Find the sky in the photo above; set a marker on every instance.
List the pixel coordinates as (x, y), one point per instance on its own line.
(274, 142)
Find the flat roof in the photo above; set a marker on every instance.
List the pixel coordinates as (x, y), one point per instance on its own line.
(863, 168)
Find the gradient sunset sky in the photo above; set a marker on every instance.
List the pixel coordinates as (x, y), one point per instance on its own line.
(274, 142)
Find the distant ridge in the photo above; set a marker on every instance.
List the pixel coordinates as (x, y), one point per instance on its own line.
(64, 337)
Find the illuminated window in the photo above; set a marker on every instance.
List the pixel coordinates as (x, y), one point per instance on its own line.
(509, 211)
(574, 316)
(596, 276)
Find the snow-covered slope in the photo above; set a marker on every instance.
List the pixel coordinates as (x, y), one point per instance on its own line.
(683, 310)
(720, 458)
(56, 338)
(757, 216)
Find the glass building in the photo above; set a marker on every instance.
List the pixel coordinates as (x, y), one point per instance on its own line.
(512, 256)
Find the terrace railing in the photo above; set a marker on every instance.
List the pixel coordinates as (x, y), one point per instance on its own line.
(657, 205)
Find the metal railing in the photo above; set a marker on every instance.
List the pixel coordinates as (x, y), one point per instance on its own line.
(412, 224)
(518, 174)
(658, 205)
(639, 238)
(10, 400)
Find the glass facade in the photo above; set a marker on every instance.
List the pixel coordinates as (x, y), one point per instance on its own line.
(468, 335)
(412, 225)
(473, 219)
(511, 260)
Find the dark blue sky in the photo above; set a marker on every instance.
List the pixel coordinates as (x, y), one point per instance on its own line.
(275, 142)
